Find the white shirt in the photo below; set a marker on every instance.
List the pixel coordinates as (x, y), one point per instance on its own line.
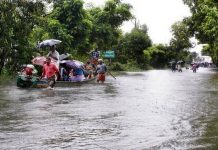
(54, 55)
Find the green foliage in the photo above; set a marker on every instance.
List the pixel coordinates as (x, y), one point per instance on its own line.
(73, 25)
(132, 65)
(17, 20)
(25, 23)
(189, 58)
(106, 21)
(206, 50)
(203, 24)
(117, 67)
(133, 44)
(157, 56)
(180, 40)
(147, 56)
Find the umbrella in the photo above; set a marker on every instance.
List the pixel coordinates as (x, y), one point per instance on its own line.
(180, 61)
(172, 62)
(72, 64)
(41, 61)
(49, 42)
(64, 56)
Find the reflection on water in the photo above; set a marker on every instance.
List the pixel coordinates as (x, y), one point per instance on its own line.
(155, 109)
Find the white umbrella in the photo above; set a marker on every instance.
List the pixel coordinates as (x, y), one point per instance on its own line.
(49, 42)
(64, 56)
(180, 61)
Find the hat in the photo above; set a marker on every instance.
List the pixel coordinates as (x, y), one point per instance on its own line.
(100, 60)
(30, 66)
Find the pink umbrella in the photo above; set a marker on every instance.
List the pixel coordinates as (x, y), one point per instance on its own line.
(41, 61)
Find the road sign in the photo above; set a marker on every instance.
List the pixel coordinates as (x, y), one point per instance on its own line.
(109, 54)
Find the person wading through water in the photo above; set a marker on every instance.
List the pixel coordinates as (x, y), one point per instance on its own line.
(49, 72)
(101, 70)
(53, 53)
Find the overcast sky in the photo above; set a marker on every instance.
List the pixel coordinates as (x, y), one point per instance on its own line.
(158, 15)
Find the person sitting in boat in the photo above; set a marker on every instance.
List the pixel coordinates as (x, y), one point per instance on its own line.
(63, 74)
(90, 69)
(63, 71)
(76, 75)
(101, 70)
(50, 72)
(29, 70)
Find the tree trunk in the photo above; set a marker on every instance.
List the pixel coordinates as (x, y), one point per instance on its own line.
(2, 61)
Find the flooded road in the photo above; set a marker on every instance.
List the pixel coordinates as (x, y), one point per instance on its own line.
(155, 109)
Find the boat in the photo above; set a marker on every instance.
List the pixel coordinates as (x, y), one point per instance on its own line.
(73, 83)
(34, 82)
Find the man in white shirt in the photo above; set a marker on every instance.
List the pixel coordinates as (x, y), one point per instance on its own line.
(54, 54)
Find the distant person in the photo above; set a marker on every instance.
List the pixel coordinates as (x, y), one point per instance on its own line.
(54, 54)
(95, 56)
(50, 72)
(194, 67)
(179, 67)
(173, 67)
(101, 71)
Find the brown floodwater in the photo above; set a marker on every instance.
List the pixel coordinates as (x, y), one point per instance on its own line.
(156, 109)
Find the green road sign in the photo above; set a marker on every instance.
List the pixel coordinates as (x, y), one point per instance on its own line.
(109, 54)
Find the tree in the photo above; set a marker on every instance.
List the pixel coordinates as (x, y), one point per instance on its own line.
(17, 20)
(159, 55)
(203, 23)
(106, 22)
(133, 45)
(180, 41)
(74, 22)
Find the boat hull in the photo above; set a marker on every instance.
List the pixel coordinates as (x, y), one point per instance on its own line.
(25, 82)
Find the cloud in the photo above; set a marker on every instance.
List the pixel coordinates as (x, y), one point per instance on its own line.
(158, 15)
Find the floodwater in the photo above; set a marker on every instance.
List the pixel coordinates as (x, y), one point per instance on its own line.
(155, 109)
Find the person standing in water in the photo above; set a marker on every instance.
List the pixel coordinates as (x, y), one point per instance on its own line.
(54, 54)
(49, 72)
(101, 70)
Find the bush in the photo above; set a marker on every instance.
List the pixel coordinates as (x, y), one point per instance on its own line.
(132, 66)
(117, 67)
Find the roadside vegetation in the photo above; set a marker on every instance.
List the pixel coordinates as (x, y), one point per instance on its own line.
(82, 28)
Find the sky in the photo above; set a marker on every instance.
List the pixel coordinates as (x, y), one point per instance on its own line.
(158, 15)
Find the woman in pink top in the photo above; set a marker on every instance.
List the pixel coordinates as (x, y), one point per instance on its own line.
(49, 72)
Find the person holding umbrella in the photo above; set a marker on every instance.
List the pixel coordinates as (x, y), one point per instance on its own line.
(49, 72)
(179, 66)
(52, 44)
(54, 53)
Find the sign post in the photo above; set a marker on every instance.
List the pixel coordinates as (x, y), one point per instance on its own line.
(109, 54)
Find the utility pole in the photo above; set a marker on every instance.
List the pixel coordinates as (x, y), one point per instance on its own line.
(136, 23)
